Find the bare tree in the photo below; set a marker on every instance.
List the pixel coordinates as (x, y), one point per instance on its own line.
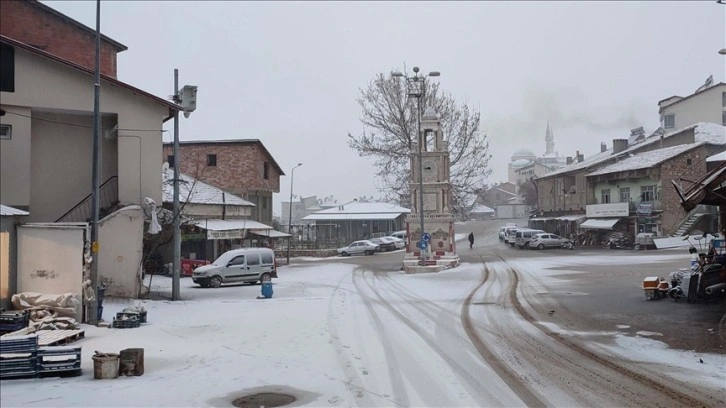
(389, 117)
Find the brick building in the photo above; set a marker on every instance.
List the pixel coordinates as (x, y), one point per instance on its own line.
(242, 166)
(33, 23)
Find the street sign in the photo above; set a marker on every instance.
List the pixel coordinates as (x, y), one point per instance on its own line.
(426, 237)
(422, 244)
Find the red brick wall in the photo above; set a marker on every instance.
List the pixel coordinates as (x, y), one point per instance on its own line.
(30, 24)
(239, 167)
(674, 169)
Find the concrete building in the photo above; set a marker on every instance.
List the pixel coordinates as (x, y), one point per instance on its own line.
(241, 166)
(46, 108)
(706, 104)
(355, 220)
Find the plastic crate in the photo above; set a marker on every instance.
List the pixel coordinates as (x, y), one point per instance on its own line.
(129, 323)
(13, 321)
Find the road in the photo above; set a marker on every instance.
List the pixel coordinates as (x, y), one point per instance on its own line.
(508, 336)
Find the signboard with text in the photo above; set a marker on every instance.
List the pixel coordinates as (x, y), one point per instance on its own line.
(228, 234)
(607, 210)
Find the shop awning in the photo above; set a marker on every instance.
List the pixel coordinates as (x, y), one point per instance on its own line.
(270, 233)
(571, 217)
(600, 223)
(226, 225)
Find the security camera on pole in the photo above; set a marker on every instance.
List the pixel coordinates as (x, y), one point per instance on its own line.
(187, 99)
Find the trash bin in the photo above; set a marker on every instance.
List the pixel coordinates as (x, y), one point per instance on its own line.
(266, 287)
(105, 366)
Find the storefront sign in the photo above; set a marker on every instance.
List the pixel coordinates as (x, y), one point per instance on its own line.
(193, 237)
(228, 234)
(607, 210)
(645, 209)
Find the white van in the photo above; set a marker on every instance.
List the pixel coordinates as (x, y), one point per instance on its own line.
(237, 265)
(400, 235)
(524, 235)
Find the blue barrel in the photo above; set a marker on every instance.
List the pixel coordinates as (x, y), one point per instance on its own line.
(267, 289)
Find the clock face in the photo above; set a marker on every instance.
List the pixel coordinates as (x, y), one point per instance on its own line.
(429, 169)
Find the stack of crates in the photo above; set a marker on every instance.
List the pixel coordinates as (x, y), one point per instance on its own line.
(62, 360)
(14, 321)
(19, 356)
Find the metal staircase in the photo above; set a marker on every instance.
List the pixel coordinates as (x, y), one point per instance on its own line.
(690, 220)
(107, 198)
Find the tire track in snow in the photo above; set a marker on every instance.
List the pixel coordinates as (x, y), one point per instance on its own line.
(657, 387)
(472, 381)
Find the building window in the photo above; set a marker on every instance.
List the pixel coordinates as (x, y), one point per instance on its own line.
(264, 203)
(212, 160)
(689, 162)
(723, 99)
(605, 196)
(669, 121)
(266, 170)
(170, 160)
(625, 194)
(723, 118)
(7, 68)
(647, 193)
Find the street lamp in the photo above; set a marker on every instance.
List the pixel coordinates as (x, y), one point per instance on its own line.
(289, 221)
(416, 89)
(722, 51)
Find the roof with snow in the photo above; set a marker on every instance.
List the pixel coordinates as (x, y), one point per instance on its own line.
(646, 159)
(717, 157)
(201, 192)
(705, 132)
(10, 211)
(360, 211)
(481, 208)
(678, 99)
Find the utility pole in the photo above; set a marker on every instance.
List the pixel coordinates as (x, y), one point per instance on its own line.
(176, 261)
(92, 317)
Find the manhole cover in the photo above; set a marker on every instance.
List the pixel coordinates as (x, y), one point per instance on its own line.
(264, 399)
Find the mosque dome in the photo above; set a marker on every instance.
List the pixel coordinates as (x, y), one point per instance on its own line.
(520, 163)
(523, 153)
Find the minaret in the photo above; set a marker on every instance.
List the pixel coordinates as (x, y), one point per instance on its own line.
(550, 140)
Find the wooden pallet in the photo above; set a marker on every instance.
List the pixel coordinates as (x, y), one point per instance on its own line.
(52, 337)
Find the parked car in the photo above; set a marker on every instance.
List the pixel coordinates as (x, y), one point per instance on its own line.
(545, 240)
(510, 234)
(524, 235)
(384, 245)
(397, 242)
(235, 266)
(400, 234)
(365, 247)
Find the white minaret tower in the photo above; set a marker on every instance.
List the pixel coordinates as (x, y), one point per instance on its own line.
(550, 140)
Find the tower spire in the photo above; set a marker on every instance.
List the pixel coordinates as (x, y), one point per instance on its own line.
(549, 140)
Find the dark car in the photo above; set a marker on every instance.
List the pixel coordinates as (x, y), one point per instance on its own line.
(384, 245)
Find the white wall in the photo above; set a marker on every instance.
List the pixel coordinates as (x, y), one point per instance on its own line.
(50, 259)
(121, 250)
(15, 157)
(704, 107)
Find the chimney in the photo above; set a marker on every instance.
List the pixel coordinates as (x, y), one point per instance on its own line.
(637, 132)
(619, 145)
(569, 159)
(580, 157)
(603, 147)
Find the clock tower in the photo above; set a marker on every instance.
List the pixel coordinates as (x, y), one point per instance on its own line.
(438, 220)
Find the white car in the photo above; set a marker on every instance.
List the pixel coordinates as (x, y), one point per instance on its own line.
(236, 266)
(398, 242)
(364, 247)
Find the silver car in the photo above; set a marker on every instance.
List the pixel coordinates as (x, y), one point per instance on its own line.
(365, 247)
(545, 240)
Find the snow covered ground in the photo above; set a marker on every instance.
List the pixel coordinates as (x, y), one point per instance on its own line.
(332, 335)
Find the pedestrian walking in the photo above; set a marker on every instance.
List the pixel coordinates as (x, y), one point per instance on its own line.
(471, 240)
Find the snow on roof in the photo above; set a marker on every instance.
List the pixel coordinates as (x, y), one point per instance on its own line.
(481, 208)
(645, 160)
(7, 210)
(226, 225)
(202, 193)
(704, 133)
(359, 211)
(717, 157)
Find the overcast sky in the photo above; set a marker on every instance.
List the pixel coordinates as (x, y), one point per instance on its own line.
(288, 73)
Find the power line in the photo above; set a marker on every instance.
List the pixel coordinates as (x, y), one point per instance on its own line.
(81, 125)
